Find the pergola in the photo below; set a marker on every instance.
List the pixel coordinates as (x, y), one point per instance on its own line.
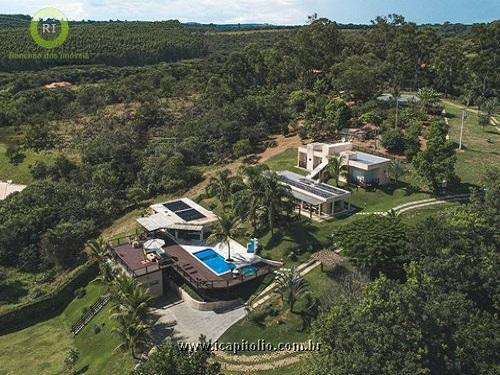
(328, 258)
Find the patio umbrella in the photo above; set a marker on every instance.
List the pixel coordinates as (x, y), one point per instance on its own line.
(155, 243)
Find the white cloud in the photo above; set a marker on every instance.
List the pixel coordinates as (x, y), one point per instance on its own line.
(205, 11)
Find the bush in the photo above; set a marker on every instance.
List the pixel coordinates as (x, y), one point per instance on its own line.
(97, 329)
(242, 148)
(258, 316)
(394, 141)
(85, 309)
(372, 117)
(270, 143)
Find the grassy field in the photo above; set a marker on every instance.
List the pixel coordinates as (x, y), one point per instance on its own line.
(20, 173)
(287, 326)
(41, 348)
(481, 145)
(287, 160)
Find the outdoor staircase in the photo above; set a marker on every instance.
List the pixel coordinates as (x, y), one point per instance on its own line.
(316, 171)
(87, 317)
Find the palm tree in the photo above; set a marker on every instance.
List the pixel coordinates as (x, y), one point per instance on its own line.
(397, 169)
(228, 225)
(98, 251)
(428, 97)
(247, 201)
(133, 333)
(276, 199)
(334, 169)
(130, 296)
(220, 186)
(292, 284)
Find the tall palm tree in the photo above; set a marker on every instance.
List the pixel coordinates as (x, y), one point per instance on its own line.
(129, 296)
(99, 250)
(228, 226)
(397, 169)
(220, 186)
(247, 201)
(133, 333)
(276, 199)
(291, 283)
(334, 169)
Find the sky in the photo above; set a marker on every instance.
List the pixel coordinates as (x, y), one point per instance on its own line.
(282, 12)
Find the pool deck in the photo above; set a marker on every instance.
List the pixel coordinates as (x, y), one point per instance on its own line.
(189, 267)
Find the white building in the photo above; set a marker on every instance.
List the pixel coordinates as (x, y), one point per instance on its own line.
(182, 218)
(362, 168)
(316, 199)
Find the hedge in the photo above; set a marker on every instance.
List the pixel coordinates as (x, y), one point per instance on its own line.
(48, 305)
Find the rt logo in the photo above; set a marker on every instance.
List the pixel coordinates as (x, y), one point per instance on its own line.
(52, 34)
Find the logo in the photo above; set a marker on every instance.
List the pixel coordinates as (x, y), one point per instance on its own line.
(51, 34)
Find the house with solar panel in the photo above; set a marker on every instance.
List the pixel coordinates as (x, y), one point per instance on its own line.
(363, 169)
(171, 251)
(315, 199)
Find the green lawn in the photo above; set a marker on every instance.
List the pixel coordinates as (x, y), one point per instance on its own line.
(40, 349)
(287, 160)
(287, 326)
(20, 173)
(481, 145)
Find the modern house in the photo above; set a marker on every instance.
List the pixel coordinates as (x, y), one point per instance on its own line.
(316, 199)
(172, 251)
(183, 219)
(362, 168)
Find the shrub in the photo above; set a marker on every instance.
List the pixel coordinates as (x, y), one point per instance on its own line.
(242, 148)
(270, 143)
(394, 141)
(258, 316)
(85, 309)
(97, 329)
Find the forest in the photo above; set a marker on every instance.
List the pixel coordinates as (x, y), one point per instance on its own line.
(145, 117)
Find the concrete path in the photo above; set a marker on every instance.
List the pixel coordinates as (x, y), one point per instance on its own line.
(419, 204)
(182, 322)
(267, 293)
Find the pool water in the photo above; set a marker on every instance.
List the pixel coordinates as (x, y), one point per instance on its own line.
(214, 261)
(248, 270)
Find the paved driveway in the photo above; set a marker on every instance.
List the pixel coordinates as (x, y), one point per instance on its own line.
(191, 323)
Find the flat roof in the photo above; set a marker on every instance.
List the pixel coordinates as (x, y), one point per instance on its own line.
(181, 211)
(309, 190)
(368, 159)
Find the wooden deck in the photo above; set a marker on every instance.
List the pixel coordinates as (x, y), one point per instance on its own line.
(193, 271)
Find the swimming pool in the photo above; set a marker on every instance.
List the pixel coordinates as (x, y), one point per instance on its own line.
(249, 270)
(214, 261)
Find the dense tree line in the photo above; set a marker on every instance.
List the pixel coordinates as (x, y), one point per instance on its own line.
(316, 79)
(116, 44)
(434, 307)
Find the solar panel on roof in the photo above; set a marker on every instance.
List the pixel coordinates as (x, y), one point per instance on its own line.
(190, 215)
(310, 188)
(177, 206)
